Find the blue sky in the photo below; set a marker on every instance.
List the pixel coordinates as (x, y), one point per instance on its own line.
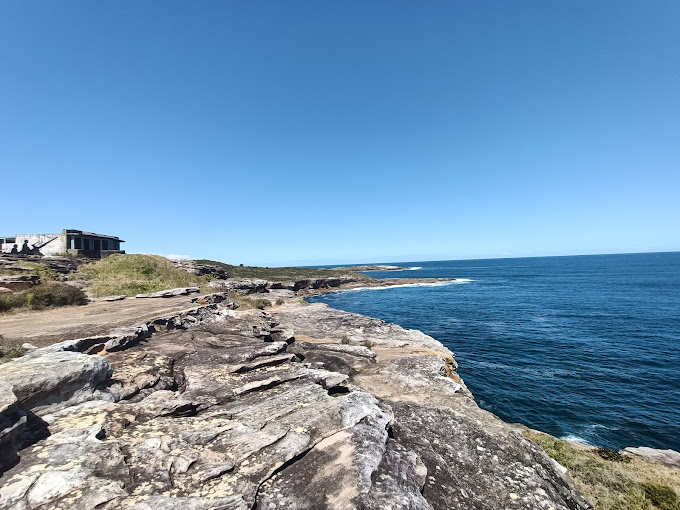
(279, 132)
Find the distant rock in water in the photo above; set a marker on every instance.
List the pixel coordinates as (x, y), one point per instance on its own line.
(368, 268)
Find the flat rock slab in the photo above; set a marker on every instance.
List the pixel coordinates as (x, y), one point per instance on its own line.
(49, 326)
(669, 458)
(179, 291)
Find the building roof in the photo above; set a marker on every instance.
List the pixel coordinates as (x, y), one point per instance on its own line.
(90, 234)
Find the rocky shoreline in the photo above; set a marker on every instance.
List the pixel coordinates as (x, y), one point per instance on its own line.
(298, 406)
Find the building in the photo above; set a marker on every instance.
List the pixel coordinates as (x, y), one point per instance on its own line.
(68, 242)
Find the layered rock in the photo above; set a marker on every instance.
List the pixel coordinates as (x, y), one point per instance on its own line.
(288, 409)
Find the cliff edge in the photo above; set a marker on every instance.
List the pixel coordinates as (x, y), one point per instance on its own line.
(297, 407)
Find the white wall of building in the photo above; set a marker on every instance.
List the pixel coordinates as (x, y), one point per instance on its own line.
(56, 243)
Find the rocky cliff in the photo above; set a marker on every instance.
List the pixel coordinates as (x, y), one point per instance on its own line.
(299, 407)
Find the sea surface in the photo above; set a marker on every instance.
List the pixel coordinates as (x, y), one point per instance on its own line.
(584, 348)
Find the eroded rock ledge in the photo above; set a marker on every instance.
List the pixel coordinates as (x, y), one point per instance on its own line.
(262, 410)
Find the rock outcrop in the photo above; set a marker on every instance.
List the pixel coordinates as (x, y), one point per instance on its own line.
(179, 291)
(669, 458)
(254, 410)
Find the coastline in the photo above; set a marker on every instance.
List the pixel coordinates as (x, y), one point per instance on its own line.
(419, 407)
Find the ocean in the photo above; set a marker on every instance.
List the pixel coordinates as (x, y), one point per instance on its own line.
(585, 348)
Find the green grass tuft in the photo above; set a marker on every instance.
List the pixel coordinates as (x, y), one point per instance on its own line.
(136, 274)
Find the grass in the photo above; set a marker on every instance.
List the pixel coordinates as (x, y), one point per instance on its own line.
(44, 272)
(10, 348)
(135, 274)
(47, 295)
(249, 303)
(276, 273)
(624, 482)
(23, 268)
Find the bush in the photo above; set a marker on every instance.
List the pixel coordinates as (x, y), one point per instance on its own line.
(344, 340)
(661, 496)
(43, 296)
(10, 348)
(10, 301)
(54, 294)
(612, 455)
(136, 274)
(280, 301)
(368, 344)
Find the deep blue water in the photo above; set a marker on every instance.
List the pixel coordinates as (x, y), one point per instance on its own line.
(584, 347)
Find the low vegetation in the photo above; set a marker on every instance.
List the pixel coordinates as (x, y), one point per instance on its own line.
(47, 295)
(135, 274)
(614, 481)
(249, 303)
(24, 268)
(10, 348)
(276, 273)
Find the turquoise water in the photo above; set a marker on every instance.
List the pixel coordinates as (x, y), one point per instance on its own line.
(586, 347)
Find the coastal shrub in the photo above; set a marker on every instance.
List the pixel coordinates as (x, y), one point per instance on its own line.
(136, 274)
(54, 294)
(368, 344)
(344, 339)
(46, 295)
(280, 301)
(10, 348)
(635, 484)
(661, 496)
(612, 455)
(10, 301)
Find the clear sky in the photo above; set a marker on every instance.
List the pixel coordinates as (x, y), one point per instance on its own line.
(277, 132)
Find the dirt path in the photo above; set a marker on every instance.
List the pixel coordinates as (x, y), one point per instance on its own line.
(45, 327)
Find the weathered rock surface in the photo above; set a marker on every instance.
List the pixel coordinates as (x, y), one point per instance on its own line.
(19, 282)
(242, 287)
(669, 458)
(180, 291)
(256, 410)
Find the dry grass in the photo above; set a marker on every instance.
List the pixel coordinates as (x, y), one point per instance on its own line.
(249, 303)
(631, 484)
(10, 348)
(135, 274)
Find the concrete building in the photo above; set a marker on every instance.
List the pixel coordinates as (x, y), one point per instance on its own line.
(69, 242)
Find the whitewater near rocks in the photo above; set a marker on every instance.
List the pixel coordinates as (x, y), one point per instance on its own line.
(299, 407)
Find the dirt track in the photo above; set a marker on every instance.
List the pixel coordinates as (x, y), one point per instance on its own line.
(44, 327)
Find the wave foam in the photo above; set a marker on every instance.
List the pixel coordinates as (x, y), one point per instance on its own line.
(575, 439)
(457, 281)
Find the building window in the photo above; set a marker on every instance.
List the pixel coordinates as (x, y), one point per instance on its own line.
(105, 244)
(86, 244)
(97, 245)
(78, 243)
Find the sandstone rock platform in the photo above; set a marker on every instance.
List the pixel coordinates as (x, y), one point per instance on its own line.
(284, 409)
